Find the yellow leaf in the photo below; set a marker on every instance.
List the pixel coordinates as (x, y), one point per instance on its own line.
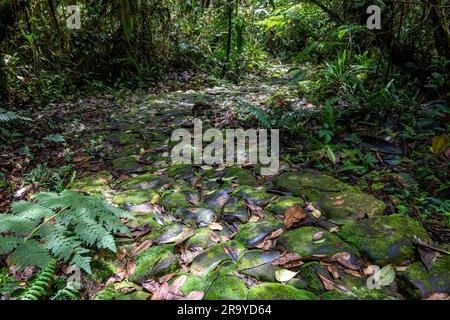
(440, 143)
(155, 199)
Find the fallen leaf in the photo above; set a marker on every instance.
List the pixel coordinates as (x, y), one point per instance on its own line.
(318, 235)
(284, 275)
(327, 283)
(438, 296)
(288, 260)
(333, 271)
(344, 259)
(155, 199)
(386, 275)
(276, 233)
(215, 226)
(293, 215)
(316, 214)
(194, 295)
(143, 246)
(428, 257)
(370, 270)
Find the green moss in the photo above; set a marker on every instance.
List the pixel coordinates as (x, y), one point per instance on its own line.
(417, 282)
(325, 191)
(226, 286)
(253, 233)
(193, 283)
(128, 164)
(144, 181)
(97, 183)
(134, 196)
(258, 264)
(385, 239)
(122, 291)
(242, 176)
(257, 194)
(201, 239)
(154, 262)
(308, 272)
(280, 205)
(276, 291)
(302, 241)
(102, 270)
(176, 199)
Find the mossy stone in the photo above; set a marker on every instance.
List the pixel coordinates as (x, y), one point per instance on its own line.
(128, 165)
(196, 216)
(333, 197)
(177, 199)
(235, 210)
(226, 287)
(217, 199)
(258, 264)
(418, 283)
(384, 240)
(154, 262)
(359, 294)
(302, 241)
(144, 181)
(257, 195)
(134, 196)
(122, 291)
(215, 255)
(175, 233)
(183, 171)
(309, 273)
(277, 291)
(96, 183)
(280, 205)
(201, 239)
(193, 283)
(241, 176)
(103, 270)
(253, 233)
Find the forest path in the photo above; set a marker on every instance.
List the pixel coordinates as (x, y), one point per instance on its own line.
(227, 232)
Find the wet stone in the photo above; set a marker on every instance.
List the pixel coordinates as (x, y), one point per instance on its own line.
(195, 216)
(215, 255)
(235, 210)
(302, 241)
(172, 233)
(122, 291)
(201, 239)
(276, 291)
(145, 181)
(253, 233)
(217, 199)
(128, 165)
(418, 283)
(333, 197)
(154, 262)
(134, 197)
(257, 195)
(96, 183)
(280, 205)
(226, 286)
(241, 176)
(384, 240)
(177, 199)
(258, 264)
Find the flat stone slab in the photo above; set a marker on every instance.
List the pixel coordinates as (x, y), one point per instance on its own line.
(280, 205)
(385, 239)
(134, 196)
(258, 264)
(309, 241)
(276, 291)
(196, 216)
(418, 283)
(253, 233)
(333, 197)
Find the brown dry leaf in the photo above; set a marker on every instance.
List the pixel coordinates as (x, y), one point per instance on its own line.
(215, 237)
(188, 255)
(265, 245)
(318, 235)
(215, 226)
(162, 292)
(130, 267)
(288, 260)
(370, 270)
(121, 253)
(276, 233)
(178, 282)
(353, 273)
(155, 199)
(428, 257)
(327, 283)
(150, 285)
(438, 296)
(333, 271)
(143, 246)
(339, 202)
(252, 205)
(343, 258)
(293, 215)
(79, 159)
(167, 277)
(254, 218)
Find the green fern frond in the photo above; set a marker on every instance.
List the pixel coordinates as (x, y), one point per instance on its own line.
(65, 226)
(260, 115)
(69, 292)
(7, 116)
(9, 243)
(41, 285)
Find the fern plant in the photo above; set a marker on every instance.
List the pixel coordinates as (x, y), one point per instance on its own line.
(69, 292)
(40, 287)
(64, 226)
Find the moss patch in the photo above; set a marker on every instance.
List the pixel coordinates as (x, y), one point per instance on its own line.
(122, 291)
(253, 233)
(134, 196)
(385, 239)
(280, 205)
(276, 291)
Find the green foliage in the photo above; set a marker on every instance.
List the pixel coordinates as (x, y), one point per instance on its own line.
(69, 292)
(40, 287)
(64, 226)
